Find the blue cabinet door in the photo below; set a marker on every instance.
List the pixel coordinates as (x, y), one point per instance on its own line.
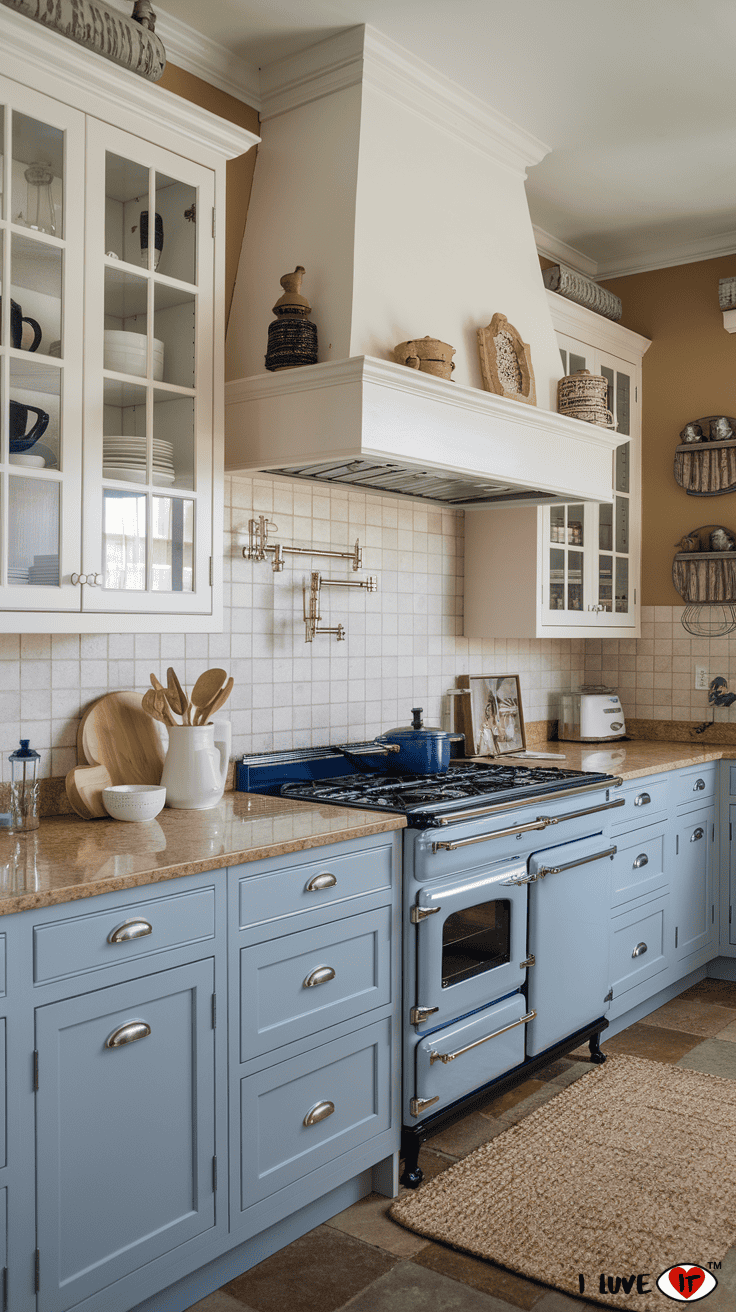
(125, 1129)
(694, 908)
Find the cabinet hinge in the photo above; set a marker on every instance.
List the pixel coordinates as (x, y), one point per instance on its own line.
(213, 220)
(5, 1287)
(214, 1175)
(214, 1011)
(636, 393)
(712, 913)
(35, 1069)
(713, 832)
(210, 571)
(676, 933)
(37, 1272)
(609, 995)
(677, 844)
(730, 909)
(730, 832)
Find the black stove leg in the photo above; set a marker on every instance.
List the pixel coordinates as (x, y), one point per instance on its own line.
(411, 1176)
(596, 1053)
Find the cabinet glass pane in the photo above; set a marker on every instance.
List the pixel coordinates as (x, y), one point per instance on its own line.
(37, 176)
(605, 582)
(563, 357)
(577, 362)
(557, 524)
(34, 414)
(623, 403)
(622, 584)
(126, 325)
(174, 326)
(622, 523)
(605, 527)
(575, 521)
(623, 454)
(126, 198)
(172, 545)
(176, 223)
(575, 580)
(556, 579)
(35, 278)
(3, 197)
(124, 448)
(607, 373)
(173, 440)
(124, 540)
(33, 531)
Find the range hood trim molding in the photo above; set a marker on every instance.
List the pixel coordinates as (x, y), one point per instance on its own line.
(364, 56)
(336, 411)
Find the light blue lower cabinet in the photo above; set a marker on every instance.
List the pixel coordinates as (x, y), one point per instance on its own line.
(125, 1129)
(694, 909)
(303, 1114)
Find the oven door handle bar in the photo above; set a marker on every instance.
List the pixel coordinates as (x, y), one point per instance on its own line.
(542, 822)
(445, 1057)
(570, 865)
(472, 813)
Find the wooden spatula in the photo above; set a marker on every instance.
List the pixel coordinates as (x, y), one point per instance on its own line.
(206, 688)
(206, 712)
(177, 698)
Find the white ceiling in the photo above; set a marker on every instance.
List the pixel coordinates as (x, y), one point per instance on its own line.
(636, 101)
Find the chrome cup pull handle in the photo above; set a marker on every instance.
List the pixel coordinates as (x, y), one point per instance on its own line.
(639, 950)
(130, 1033)
(319, 1112)
(129, 929)
(642, 800)
(699, 785)
(320, 975)
(318, 882)
(641, 860)
(697, 833)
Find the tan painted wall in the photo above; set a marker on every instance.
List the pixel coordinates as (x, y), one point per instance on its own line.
(688, 371)
(239, 171)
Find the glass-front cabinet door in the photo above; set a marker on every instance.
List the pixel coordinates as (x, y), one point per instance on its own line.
(41, 318)
(614, 565)
(148, 414)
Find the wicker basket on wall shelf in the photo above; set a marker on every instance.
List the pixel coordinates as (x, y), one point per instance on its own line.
(707, 468)
(703, 575)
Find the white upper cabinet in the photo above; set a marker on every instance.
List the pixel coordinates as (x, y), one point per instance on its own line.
(575, 568)
(111, 345)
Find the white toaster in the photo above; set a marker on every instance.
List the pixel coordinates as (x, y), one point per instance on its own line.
(592, 715)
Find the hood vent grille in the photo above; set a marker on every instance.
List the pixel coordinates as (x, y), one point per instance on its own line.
(399, 480)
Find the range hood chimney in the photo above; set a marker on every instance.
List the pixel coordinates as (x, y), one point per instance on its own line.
(403, 197)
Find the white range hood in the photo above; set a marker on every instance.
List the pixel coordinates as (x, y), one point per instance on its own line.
(403, 197)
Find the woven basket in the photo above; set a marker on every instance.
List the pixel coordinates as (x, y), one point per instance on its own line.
(583, 395)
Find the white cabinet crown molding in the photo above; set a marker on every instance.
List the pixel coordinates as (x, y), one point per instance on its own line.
(363, 55)
(553, 248)
(101, 88)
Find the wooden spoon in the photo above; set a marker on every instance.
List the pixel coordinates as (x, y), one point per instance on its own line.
(205, 713)
(176, 696)
(155, 704)
(163, 695)
(206, 688)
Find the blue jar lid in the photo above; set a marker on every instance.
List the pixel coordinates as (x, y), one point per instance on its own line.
(24, 752)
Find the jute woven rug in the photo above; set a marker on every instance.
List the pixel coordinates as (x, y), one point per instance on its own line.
(629, 1171)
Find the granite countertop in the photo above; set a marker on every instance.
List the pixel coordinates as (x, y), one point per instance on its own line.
(629, 759)
(67, 858)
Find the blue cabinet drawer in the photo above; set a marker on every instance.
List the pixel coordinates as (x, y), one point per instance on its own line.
(638, 867)
(498, 1033)
(297, 985)
(81, 943)
(311, 884)
(644, 799)
(694, 787)
(638, 945)
(300, 1114)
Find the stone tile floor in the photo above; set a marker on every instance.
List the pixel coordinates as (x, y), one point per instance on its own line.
(363, 1261)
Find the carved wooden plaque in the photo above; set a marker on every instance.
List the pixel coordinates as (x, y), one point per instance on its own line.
(505, 361)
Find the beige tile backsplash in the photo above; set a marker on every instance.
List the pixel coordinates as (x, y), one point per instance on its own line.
(404, 643)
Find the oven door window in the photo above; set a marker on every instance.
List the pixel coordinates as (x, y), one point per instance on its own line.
(470, 943)
(475, 940)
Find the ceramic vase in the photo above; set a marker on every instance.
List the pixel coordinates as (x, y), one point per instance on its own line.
(195, 769)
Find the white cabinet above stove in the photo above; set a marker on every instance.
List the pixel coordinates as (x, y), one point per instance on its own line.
(374, 424)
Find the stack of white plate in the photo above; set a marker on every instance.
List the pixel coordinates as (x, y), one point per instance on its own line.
(55, 350)
(125, 457)
(17, 575)
(125, 353)
(44, 571)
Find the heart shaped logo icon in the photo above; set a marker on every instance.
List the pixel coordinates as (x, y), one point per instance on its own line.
(686, 1283)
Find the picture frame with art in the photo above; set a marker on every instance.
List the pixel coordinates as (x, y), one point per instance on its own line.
(493, 714)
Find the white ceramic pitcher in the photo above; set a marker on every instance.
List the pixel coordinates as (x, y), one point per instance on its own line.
(195, 769)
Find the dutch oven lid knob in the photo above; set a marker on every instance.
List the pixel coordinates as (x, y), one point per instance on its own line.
(416, 713)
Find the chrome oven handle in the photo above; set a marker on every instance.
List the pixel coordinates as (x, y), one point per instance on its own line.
(542, 822)
(570, 865)
(450, 1056)
(473, 813)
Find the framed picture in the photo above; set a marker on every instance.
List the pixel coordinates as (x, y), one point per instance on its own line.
(495, 714)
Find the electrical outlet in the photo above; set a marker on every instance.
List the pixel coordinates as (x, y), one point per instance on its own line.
(701, 678)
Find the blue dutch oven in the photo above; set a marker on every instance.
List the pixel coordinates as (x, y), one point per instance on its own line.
(421, 751)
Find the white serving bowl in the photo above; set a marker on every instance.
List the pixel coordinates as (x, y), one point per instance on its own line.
(125, 353)
(133, 801)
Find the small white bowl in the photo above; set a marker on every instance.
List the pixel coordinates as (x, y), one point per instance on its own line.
(134, 801)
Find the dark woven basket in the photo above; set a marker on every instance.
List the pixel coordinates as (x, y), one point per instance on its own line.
(292, 341)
